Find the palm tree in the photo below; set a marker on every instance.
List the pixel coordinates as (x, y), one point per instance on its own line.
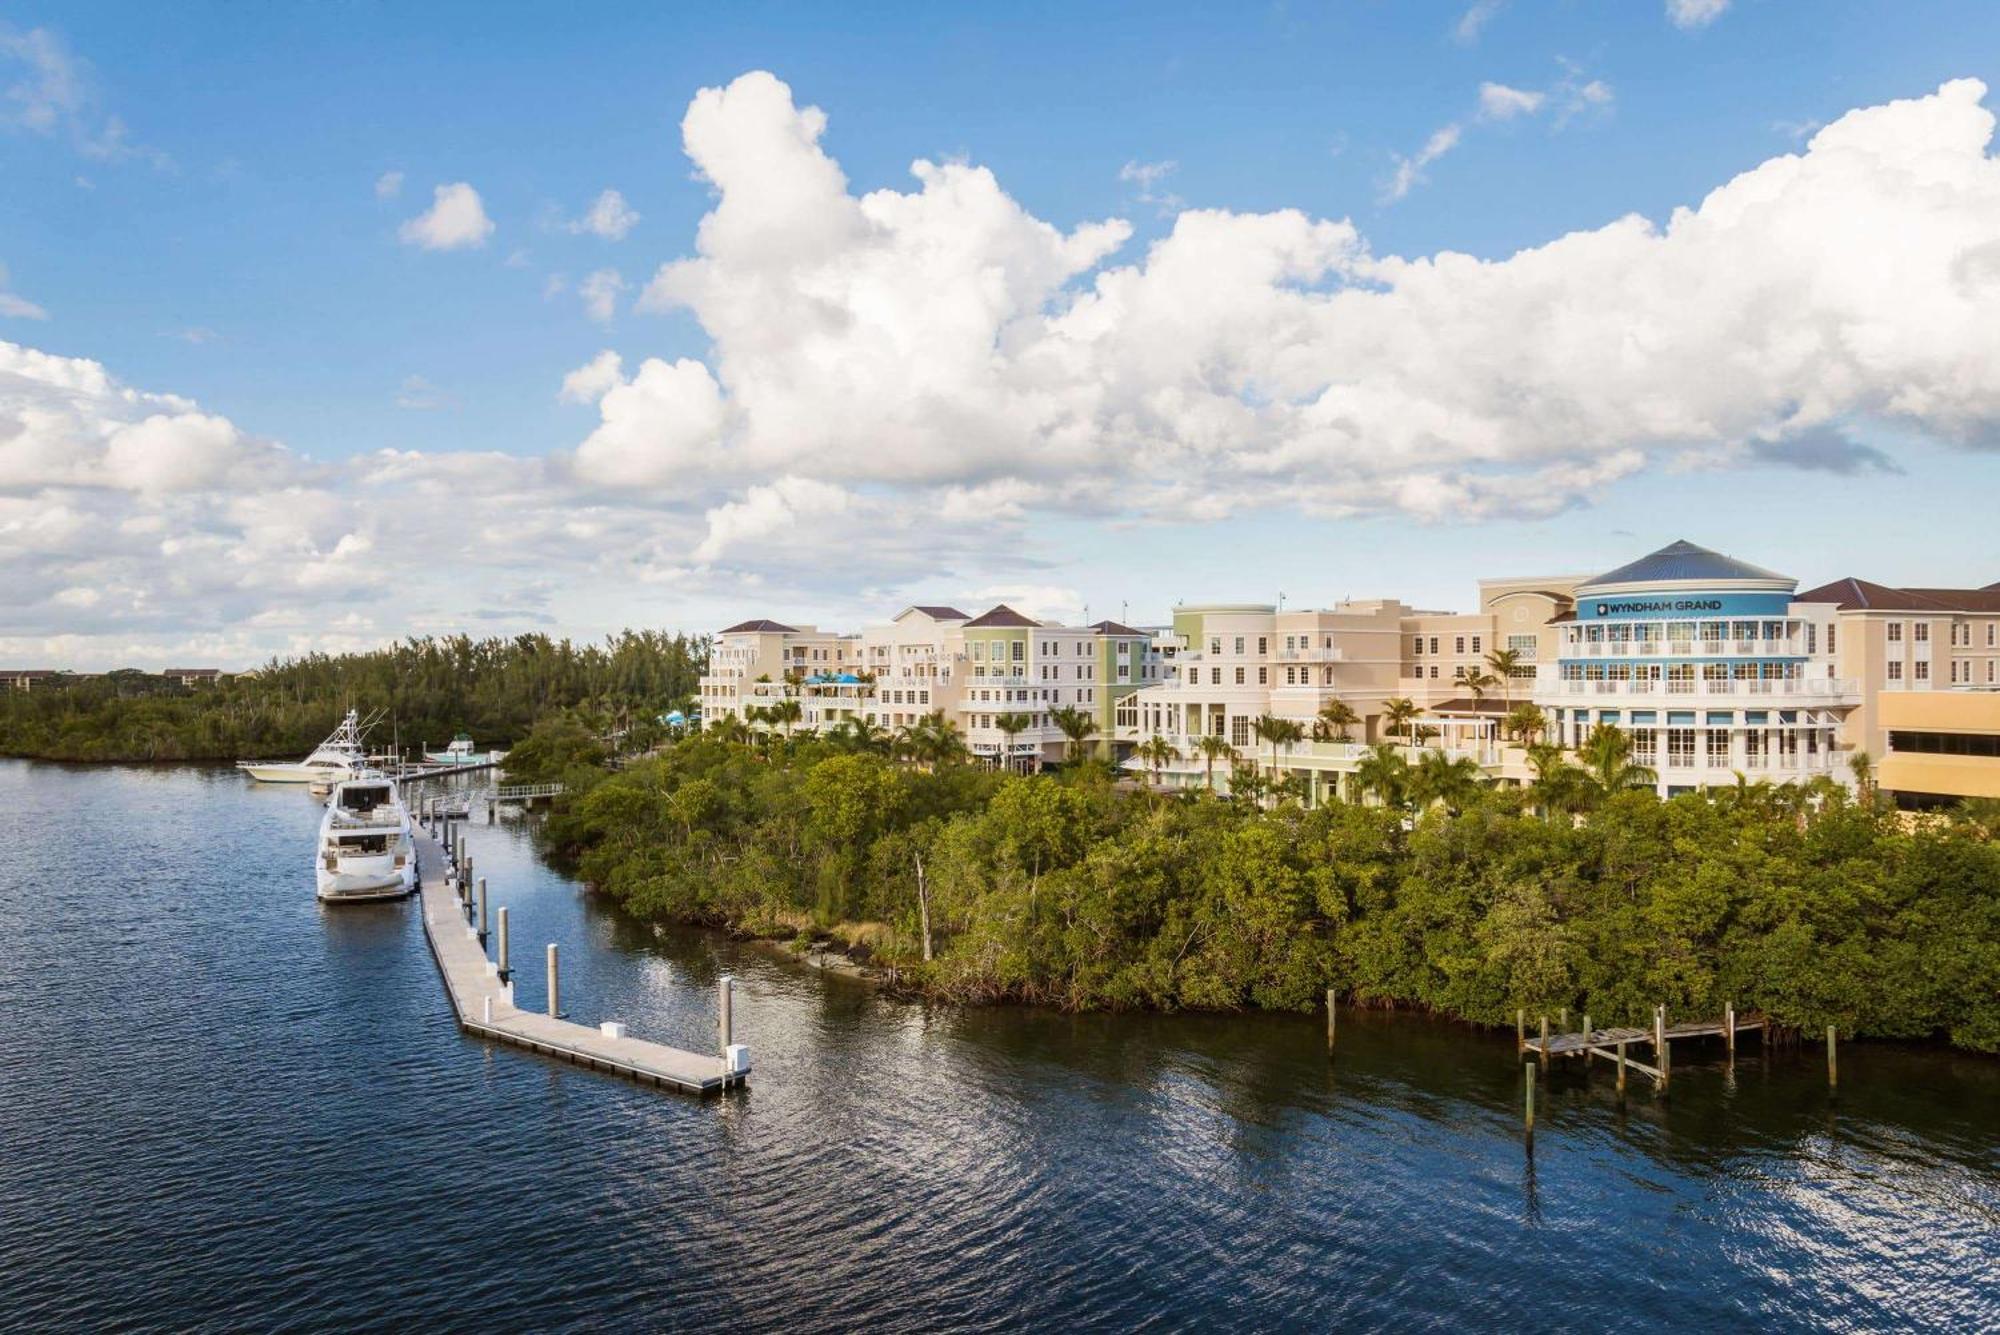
(939, 740)
(1556, 785)
(785, 713)
(1504, 663)
(1384, 772)
(1013, 725)
(1158, 753)
(1607, 755)
(1335, 718)
(729, 728)
(1862, 766)
(1475, 682)
(1454, 781)
(1399, 712)
(1077, 726)
(858, 734)
(1524, 722)
(1212, 748)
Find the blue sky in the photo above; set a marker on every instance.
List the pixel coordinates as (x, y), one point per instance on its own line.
(235, 247)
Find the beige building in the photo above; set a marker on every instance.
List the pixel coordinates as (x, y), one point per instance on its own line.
(1929, 664)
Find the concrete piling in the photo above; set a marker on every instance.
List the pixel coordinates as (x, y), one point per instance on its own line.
(555, 996)
(503, 943)
(726, 987)
(482, 910)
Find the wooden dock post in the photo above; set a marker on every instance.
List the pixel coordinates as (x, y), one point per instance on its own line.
(555, 997)
(1331, 1020)
(1832, 1057)
(1520, 1032)
(1544, 1054)
(482, 911)
(1562, 1018)
(726, 986)
(1621, 1070)
(503, 943)
(1584, 1051)
(1528, 1105)
(1729, 1027)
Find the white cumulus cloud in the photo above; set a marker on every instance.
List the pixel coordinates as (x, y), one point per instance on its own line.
(455, 220)
(609, 216)
(589, 383)
(1499, 102)
(1695, 13)
(600, 291)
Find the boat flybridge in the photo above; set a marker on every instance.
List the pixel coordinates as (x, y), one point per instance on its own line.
(341, 756)
(365, 846)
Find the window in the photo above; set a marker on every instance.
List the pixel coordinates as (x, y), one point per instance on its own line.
(1239, 676)
(1475, 644)
(1434, 644)
(1214, 644)
(1263, 676)
(1239, 644)
(1989, 634)
(1895, 670)
(1895, 632)
(1718, 748)
(1830, 630)
(1946, 743)
(1215, 676)
(1020, 651)
(979, 651)
(1417, 645)
(1434, 673)
(1643, 740)
(1922, 632)
(1239, 730)
(1680, 747)
(1458, 646)
(1923, 669)
(1262, 646)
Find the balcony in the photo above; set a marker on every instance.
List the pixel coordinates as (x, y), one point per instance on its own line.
(1319, 655)
(1819, 690)
(1792, 648)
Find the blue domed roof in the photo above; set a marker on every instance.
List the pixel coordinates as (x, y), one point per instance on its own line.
(1680, 562)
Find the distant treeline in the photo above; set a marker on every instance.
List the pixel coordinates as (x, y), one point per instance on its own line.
(1072, 890)
(425, 690)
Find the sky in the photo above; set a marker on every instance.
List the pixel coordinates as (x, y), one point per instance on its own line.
(325, 325)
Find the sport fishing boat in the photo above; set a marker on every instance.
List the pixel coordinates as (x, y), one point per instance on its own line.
(365, 847)
(460, 752)
(340, 756)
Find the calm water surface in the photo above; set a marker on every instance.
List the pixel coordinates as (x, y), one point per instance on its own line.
(222, 1106)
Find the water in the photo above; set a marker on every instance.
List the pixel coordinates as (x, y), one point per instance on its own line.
(222, 1106)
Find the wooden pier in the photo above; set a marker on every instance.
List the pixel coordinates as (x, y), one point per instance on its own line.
(1613, 1045)
(484, 1003)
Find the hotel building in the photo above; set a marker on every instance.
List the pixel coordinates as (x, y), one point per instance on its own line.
(1000, 666)
(1711, 664)
(1716, 668)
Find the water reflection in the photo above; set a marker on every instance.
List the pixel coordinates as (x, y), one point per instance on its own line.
(291, 1125)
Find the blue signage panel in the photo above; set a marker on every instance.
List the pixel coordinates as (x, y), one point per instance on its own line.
(1681, 605)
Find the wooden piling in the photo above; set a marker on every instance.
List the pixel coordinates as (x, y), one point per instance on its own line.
(1520, 1032)
(1729, 1027)
(1584, 1052)
(1528, 1105)
(1544, 1054)
(1832, 1057)
(555, 1002)
(1332, 1019)
(1621, 1070)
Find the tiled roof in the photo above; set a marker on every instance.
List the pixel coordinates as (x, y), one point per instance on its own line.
(1113, 628)
(1000, 615)
(1464, 704)
(759, 625)
(1677, 561)
(1852, 594)
(938, 612)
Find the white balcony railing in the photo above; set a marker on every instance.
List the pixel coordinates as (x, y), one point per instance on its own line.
(1794, 688)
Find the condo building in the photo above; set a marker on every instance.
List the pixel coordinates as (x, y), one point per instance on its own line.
(1714, 667)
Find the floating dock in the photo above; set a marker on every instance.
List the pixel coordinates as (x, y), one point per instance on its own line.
(484, 1004)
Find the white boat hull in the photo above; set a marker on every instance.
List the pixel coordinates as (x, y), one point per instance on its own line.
(291, 771)
(358, 880)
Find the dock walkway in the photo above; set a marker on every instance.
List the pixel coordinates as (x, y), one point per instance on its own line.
(485, 1005)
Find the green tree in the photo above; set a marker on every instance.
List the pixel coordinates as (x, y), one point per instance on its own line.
(1399, 713)
(1077, 729)
(1385, 773)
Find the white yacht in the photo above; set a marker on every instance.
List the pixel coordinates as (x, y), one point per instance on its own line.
(365, 847)
(340, 756)
(460, 752)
